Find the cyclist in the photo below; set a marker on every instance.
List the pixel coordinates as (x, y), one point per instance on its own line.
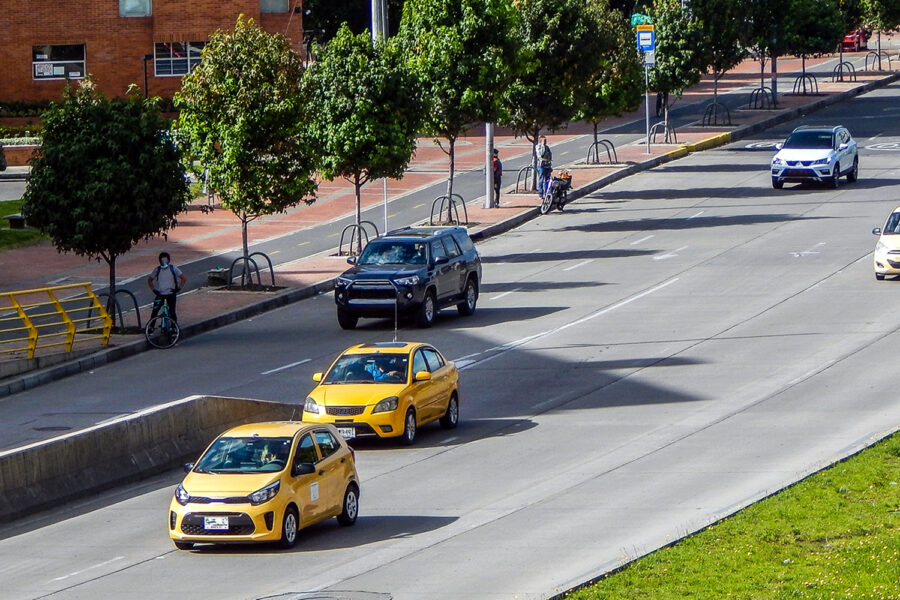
(544, 158)
(166, 281)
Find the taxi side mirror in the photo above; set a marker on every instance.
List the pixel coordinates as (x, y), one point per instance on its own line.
(877, 231)
(303, 469)
(188, 467)
(317, 376)
(423, 376)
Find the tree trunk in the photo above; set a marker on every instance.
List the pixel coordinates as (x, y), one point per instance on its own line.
(762, 69)
(878, 45)
(358, 185)
(774, 81)
(715, 87)
(452, 154)
(245, 274)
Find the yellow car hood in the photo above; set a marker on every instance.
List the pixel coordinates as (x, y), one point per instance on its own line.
(223, 485)
(355, 394)
(891, 241)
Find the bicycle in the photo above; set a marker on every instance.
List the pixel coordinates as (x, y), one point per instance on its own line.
(162, 331)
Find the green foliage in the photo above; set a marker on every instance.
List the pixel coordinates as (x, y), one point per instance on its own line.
(323, 18)
(882, 15)
(23, 109)
(852, 11)
(243, 117)
(813, 27)
(767, 27)
(723, 23)
(679, 43)
(17, 131)
(13, 238)
(833, 535)
(106, 178)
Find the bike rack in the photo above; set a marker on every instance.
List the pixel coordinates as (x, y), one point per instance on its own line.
(451, 203)
(118, 308)
(806, 85)
(711, 114)
(357, 232)
(669, 131)
(762, 98)
(268, 260)
(244, 274)
(838, 73)
(593, 155)
(528, 180)
(874, 56)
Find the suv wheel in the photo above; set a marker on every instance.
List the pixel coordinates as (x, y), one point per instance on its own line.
(467, 306)
(777, 184)
(835, 180)
(428, 310)
(853, 175)
(346, 320)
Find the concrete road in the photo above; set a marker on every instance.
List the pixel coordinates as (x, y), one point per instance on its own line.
(664, 352)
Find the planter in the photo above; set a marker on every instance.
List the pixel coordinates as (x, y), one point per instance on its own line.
(18, 156)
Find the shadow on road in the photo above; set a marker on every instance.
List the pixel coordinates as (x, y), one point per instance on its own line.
(559, 256)
(674, 224)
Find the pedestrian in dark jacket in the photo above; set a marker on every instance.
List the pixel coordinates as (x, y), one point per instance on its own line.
(498, 176)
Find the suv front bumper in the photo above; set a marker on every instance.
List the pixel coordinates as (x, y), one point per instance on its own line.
(377, 298)
(800, 174)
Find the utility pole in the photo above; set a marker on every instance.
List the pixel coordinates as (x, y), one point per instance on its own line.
(380, 31)
(489, 200)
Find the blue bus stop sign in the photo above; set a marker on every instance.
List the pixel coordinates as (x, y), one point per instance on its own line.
(646, 38)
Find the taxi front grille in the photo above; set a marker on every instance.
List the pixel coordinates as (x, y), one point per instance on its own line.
(238, 524)
(345, 411)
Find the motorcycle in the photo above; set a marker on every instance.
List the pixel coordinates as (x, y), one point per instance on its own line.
(557, 193)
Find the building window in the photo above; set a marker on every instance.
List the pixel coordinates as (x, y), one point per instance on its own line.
(273, 6)
(134, 8)
(172, 59)
(58, 62)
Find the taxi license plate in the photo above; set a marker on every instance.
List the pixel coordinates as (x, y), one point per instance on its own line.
(347, 432)
(215, 523)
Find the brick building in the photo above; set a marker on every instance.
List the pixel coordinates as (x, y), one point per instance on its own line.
(117, 42)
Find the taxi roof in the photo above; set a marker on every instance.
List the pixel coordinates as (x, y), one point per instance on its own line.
(269, 429)
(383, 348)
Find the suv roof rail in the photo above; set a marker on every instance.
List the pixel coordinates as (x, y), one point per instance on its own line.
(828, 127)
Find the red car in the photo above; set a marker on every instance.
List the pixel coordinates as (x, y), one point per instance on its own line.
(856, 40)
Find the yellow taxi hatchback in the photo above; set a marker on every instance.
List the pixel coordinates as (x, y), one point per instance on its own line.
(887, 250)
(264, 482)
(386, 389)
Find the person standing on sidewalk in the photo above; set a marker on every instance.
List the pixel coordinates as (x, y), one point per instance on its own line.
(498, 176)
(544, 164)
(165, 282)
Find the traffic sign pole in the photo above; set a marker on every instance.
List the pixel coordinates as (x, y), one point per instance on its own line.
(646, 43)
(647, 104)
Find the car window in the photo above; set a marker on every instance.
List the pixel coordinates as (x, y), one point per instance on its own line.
(306, 451)
(893, 224)
(327, 444)
(810, 140)
(451, 247)
(419, 363)
(245, 455)
(393, 252)
(434, 359)
(464, 241)
(437, 250)
(368, 368)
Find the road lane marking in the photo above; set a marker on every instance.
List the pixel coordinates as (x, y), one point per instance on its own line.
(807, 252)
(672, 254)
(302, 243)
(697, 215)
(335, 234)
(498, 296)
(294, 364)
(418, 206)
(274, 252)
(874, 137)
(643, 239)
(470, 360)
(392, 216)
(581, 264)
(97, 566)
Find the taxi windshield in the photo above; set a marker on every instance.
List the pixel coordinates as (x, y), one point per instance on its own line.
(245, 455)
(809, 140)
(893, 224)
(393, 253)
(368, 368)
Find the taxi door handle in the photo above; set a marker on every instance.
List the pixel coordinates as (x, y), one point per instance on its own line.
(322, 472)
(343, 460)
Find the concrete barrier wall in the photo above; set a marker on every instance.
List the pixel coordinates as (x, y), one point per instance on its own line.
(51, 472)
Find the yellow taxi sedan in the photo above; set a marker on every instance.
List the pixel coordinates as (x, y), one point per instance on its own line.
(263, 482)
(887, 249)
(386, 389)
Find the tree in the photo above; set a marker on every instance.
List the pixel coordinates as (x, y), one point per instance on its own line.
(813, 28)
(367, 111)
(679, 57)
(723, 24)
(617, 83)
(244, 118)
(767, 34)
(323, 18)
(560, 46)
(107, 176)
(880, 15)
(463, 54)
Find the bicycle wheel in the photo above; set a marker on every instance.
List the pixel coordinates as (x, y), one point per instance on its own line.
(546, 202)
(162, 332)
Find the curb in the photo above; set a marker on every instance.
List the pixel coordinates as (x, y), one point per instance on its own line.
(102, 357)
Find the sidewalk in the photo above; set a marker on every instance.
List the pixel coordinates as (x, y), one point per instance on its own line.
(200, 234)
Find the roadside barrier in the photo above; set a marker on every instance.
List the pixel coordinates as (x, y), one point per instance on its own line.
(50, 317)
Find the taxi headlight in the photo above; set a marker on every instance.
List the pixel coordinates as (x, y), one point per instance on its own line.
(880, 247)
(310, 406)
(181, 495)
(386, 405)
(264, 495)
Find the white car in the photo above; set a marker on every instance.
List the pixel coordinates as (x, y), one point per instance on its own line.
(887, 250)
(816, 154)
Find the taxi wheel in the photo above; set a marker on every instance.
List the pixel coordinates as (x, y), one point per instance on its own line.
(289, 528)
(409, 428)
(451, 417)
(351, 506)
(184, 545)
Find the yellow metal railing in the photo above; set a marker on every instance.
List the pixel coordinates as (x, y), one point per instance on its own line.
(33, 319)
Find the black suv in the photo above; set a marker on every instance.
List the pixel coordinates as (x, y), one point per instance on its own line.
(415, 271)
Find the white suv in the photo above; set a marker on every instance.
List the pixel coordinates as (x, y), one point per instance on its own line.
(820, 154)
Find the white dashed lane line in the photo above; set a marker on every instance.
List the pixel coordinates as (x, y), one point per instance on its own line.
(282, 368)
(581, 264)
(643, 239)
(498, 296)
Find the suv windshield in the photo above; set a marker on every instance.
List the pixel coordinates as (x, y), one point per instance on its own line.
(809, 140)
(245, 455)
(369, 368)
(393, 253)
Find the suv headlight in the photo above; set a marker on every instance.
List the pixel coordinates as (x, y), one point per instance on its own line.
(264, 495)
(342, 281)
(777, 162)
(823, 161)
(408, 281)
(181, 495)
(386, 405)
(310, 406)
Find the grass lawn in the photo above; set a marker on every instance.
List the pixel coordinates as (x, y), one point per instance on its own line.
(11, 238)
(836, 534)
